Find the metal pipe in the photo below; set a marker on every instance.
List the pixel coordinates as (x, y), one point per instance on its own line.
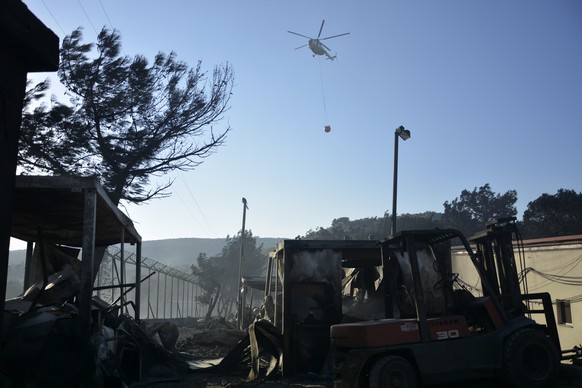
(112, 277)
(184, 312)
(158, 296)
(187, 298)
(165, 298)
(149, 281)
(122, 268)
(137, 293)
(172, 298)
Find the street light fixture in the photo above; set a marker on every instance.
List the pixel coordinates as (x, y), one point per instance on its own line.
(404, 134)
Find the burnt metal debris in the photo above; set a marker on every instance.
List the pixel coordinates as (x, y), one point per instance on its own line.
(57, 333)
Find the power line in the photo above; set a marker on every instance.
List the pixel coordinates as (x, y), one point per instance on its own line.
(196, 202)
(54, 18)
(558, 277)
(88, 18)
(561, 279)
(574, 262)
(106, 15)
(191, 213)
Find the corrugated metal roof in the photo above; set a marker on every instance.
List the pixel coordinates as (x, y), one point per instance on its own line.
(559, 240)
(55, 207)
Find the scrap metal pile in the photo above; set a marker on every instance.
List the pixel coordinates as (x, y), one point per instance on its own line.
(44, 344)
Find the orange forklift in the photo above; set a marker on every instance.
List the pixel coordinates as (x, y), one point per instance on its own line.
(439, 328)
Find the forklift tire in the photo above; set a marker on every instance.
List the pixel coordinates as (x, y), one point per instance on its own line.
(393, 372)
(530, 359)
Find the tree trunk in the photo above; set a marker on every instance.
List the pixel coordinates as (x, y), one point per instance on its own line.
(213, 304)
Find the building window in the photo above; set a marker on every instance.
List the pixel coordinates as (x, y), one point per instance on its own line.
(564, 312)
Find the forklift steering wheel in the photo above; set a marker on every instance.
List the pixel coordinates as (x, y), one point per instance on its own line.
(451, 277)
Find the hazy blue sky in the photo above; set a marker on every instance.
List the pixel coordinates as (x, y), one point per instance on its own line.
(491, 91)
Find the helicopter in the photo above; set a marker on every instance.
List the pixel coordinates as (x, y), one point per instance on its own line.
(315, 44)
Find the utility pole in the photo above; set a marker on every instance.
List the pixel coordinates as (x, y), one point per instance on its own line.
(241, 302)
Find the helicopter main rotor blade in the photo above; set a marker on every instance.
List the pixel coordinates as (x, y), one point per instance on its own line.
(327, 48)
(335, 36)
(297, 48)
(291, 32)
(320, 28)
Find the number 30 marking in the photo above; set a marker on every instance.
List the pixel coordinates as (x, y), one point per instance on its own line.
(442, 335)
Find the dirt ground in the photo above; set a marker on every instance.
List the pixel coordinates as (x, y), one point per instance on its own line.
(214, 344)
(204, 380)
(201, 379)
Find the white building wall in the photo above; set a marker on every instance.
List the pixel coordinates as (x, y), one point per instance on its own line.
(551, 265)
(558, 270)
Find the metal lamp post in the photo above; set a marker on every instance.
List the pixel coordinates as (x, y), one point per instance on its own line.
(404, 134)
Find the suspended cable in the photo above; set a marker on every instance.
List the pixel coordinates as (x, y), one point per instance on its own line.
(542, 285)
(53, 16)
(106, 15)
(574, 299)
(573, 263)
(88, 18)
(196, 203)
(561, 279)
(571, 300)
(327, 126)
(192, 213)
(550, 278)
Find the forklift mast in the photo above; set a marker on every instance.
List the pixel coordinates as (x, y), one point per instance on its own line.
(494, 252)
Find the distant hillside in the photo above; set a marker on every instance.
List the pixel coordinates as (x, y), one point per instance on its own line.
(184, 251)
(181, 251)
(177, 252)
